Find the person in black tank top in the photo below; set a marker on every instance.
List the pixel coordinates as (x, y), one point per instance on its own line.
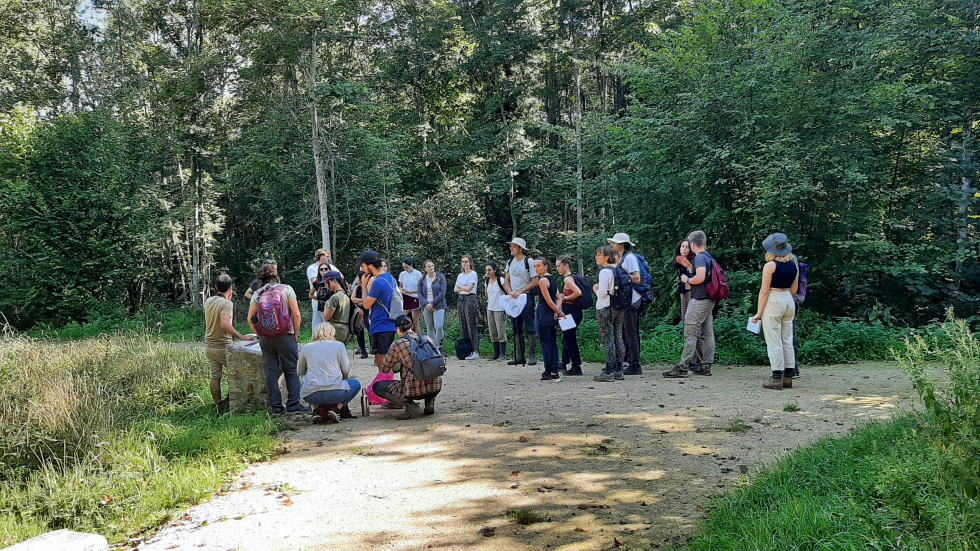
(777, 310)
(546, 314)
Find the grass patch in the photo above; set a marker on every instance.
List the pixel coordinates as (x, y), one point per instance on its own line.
(879, 488)
(112, 435)
(524, 517)
(791, 407)
(738, 426)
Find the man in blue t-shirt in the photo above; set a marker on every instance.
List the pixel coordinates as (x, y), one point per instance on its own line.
(378, 302)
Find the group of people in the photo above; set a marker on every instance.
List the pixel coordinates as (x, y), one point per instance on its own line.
(525, 290)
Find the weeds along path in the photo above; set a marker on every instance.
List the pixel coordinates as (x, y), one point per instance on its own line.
(591, 463)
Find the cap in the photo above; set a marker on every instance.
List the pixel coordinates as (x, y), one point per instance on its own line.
(621, 238)
(269, 261)
(369, 257)
(519, 242)
(332, 274)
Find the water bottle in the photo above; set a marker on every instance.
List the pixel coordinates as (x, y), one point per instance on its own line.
(365, 405)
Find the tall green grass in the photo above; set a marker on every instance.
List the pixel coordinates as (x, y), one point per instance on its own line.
(112, 435)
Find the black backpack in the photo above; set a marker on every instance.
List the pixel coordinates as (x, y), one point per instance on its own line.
(587, 300)
(463, 348)
(621, 297)
(428, 362)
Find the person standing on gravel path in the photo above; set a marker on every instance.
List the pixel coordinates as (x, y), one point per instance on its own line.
(496, 317)
(378, 301)
(520, 280)
(219, 333)
(409, 388)
(699, 323)
(610, 319)
(628, 260)
(777, 310)
(467, 305)
(320, 258)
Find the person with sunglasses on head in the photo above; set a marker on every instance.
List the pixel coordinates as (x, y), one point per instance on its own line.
(321, 258)
(466, 305)
(254, 286)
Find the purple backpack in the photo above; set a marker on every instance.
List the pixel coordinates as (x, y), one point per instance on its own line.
(273, 312)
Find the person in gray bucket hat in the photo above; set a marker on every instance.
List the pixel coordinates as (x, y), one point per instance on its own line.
(777, 310)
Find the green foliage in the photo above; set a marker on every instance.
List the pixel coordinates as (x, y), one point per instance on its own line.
(112, 435)
(951, 420)
(878, 488)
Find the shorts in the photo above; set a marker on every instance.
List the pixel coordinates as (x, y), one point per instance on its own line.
(381, 341)
(410, 303)
(217, 360)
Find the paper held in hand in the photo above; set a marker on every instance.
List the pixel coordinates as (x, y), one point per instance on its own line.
(754, 326)
(566, 323)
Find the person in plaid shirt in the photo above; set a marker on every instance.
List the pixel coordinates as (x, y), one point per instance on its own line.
(408, 388)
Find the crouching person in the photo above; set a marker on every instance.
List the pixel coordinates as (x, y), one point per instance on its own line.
(325, 367)
(410, 387)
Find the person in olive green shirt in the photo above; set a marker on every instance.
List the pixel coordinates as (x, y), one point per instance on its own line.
(337, 310)
(219, 332)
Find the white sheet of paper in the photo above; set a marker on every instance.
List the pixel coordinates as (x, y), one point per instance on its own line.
(512, 306)
(566, 323)
(754, 327)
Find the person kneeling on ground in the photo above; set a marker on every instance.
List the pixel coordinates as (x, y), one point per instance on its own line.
(325, 367)
(409, 388)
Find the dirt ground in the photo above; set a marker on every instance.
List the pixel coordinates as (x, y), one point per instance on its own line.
(634, 461)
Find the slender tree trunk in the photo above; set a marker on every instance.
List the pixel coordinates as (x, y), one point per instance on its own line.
(578, 158)
(964, 202)
(321, 179)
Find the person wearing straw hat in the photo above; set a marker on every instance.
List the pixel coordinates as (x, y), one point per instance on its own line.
(780, 280)
(621, 244)
(520, 279)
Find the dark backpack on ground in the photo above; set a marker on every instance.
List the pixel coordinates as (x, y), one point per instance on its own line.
(621, 297)
(587, 300)
(463, 348)
(272, 312)
(716, 287)
(428, 362)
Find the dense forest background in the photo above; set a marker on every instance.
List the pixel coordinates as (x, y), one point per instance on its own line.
(146, 145)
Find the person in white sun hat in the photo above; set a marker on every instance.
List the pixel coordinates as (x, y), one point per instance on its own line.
(631, 316)
(520, 279)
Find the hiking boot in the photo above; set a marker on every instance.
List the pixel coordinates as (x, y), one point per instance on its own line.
(575, 370)
(518, 351)
(496, 351)
(345, 412)
(787, 382)
(633, 370)
(703, 370)
(604, 377)
(532, 344)
(429, 406)
(363, 353)
(552, 377)
(298, 409)
(678, 372)
(695, 368)
(774, 384)
(412, 411)
(278, 411)
(618, 374)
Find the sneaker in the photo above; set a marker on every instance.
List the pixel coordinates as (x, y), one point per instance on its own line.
(604, 378)
(412, 411)
(679, 372)
(625, 364)
(297, 409)
(633, 371)
(331, 418)
(554, 377)
(703, 370)
(473, 356)
(618, 375)
(695, 368)
(575, 370)
(278, 411)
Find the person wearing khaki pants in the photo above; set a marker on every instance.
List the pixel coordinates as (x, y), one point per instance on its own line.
(496, 317)
(780, 279)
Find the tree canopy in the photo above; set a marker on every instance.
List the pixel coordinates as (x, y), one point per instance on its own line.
(146, 145)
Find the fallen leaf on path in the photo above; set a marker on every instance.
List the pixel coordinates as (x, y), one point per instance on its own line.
(287, 502)
(319, 444)
(522, 439)
(488, 531)
(580, 529)
(515, 473)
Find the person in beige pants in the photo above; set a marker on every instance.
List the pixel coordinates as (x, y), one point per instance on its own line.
(496, 317)
(780, 279)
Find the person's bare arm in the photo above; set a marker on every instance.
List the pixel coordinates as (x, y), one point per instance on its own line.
(248, 294)
(699, 276)
(230, 329)
(252, 309)
(767, 272)
(570, 284)
(543, 285)
(294, 311)
(327, 314)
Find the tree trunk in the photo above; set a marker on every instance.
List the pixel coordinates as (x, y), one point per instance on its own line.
(321, 178)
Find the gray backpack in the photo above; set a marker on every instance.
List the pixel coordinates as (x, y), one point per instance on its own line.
(428, 362)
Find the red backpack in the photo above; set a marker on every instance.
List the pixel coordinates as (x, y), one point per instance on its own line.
(272, 312)
(716, 287)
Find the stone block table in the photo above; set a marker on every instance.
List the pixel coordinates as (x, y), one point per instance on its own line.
(246, 378)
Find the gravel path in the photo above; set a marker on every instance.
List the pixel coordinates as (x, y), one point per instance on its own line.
(634, 460)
